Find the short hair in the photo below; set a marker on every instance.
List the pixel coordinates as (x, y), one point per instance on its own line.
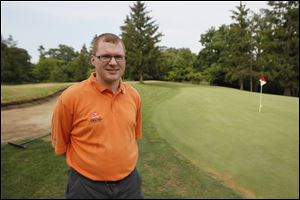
(106, 37)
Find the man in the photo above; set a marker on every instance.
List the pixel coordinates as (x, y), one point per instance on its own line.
(96, 124)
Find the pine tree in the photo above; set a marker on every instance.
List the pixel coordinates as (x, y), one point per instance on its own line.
(240, 46)
(140, 37)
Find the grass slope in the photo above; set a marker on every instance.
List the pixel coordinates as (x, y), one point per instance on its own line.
(221, 131)
(16, 93)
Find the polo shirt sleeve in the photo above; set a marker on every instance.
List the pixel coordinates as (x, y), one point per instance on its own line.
(138, 128)
(61, 127)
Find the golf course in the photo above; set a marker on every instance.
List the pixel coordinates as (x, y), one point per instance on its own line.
(198, 142)
(221, 131)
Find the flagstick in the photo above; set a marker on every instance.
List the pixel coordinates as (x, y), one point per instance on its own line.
(260, 104)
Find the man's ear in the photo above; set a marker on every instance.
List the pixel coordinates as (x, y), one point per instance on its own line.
(92, 60)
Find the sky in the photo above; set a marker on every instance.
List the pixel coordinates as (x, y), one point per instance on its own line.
(75, 23)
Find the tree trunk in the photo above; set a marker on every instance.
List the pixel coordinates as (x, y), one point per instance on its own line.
(287, 91)
(241, 84)
(251, 84)
(251, 81)
(141, 78)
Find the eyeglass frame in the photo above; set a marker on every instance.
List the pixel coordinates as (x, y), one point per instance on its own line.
(116, 57)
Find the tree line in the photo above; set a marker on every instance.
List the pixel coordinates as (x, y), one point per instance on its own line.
(62, 64)
(233, 55)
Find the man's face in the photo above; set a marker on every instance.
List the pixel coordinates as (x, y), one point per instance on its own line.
(109, 71)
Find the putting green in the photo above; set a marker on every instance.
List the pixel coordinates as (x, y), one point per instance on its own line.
(220, 130)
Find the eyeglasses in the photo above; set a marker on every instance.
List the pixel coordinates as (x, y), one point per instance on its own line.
(107, 58)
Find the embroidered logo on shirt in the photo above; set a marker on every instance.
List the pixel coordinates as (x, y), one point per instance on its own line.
(94, 117)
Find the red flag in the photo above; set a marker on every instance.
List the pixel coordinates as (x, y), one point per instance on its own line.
(262, 80)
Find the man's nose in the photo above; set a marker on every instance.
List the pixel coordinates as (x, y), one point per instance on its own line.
(113, 61)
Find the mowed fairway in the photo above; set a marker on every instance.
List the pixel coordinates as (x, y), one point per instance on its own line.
(221, 131)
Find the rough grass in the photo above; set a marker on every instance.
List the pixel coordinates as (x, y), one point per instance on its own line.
(25, 92)
(32, 173)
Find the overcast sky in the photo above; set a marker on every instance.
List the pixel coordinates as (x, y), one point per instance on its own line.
(76, 23)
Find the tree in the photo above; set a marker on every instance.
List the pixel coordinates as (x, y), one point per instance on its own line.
(280, 44)
(41, 49)
(80, 65)
(63, 52)
(267, 43)
(239, 51)
(179, 64)
(140, 37)
(10, 42)
(44, 68)
(214, 59)
(92, 44)
(15, 63)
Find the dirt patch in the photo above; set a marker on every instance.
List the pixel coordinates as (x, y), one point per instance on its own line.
(28, 120)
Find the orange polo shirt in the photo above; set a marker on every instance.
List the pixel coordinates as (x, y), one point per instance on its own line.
(98, 129)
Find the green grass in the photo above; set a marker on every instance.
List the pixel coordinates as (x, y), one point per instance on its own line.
(198, 142)
(221, 131)
(16, 93)
(165, 172)
(32, 173)
(36, 172)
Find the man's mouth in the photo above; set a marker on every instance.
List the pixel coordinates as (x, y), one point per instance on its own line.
(112, 71)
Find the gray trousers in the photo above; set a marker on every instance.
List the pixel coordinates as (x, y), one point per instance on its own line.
(80, 187)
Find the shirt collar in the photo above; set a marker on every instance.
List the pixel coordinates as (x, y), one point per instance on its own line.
(102, 88)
